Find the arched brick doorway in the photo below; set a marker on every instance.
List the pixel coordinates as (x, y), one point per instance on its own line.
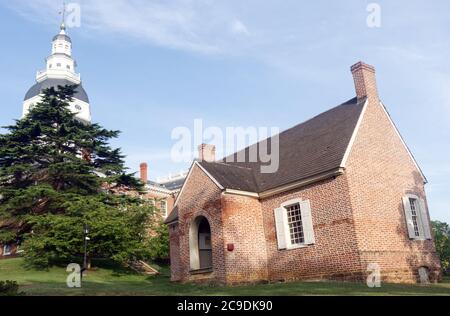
(200, 244)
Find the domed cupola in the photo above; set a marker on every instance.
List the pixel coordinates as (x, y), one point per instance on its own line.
(62, 36)
(60, 71)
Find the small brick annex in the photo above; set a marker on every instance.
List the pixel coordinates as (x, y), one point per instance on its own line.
(358, 214)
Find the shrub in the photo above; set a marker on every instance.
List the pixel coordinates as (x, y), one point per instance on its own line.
(9, 288)
(158, 244)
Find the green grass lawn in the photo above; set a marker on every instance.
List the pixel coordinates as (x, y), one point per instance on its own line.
(114, 281)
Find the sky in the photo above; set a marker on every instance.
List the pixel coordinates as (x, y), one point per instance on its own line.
(150, 66)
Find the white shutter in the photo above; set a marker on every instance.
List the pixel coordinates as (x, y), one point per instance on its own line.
(425, 219)
(408, 215)
(308, 229)
(281, 227)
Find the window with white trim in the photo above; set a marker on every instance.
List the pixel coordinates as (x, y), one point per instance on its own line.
(7, 250)
(415, 215)
(417, 219)
(294, 224)
(163, 207)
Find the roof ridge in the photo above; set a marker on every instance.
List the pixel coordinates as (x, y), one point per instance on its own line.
(351, 101)
(354, 100)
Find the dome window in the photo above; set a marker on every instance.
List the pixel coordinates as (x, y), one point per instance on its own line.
(58, 65)
(78, 108)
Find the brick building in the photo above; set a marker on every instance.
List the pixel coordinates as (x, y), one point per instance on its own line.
(348, 194)
(162, 192)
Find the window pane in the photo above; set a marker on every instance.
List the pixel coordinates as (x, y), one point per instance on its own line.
(295, 224)
(414, 209)
(164, 207)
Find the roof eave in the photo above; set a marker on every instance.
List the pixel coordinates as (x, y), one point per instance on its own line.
(288, 187)
(302, 183)
(171, 223)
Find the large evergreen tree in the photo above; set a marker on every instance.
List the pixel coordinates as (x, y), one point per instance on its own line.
(56, 175)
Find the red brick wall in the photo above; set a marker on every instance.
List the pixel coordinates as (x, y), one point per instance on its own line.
(335, 254)
(244, 228)
(157, 196)
(175, 260)
(380, 172)
(201, 197)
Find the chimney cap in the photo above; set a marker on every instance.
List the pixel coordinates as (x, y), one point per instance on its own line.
(205, 145)
(207, 152)
(362, 65)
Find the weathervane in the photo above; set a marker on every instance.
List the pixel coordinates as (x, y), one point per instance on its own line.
(63, 13)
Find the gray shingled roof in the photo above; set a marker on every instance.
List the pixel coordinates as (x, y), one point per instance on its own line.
(40, 86)
(62, 37)
(173, 216)
(232, 176)
(308, 149)
(171, 186)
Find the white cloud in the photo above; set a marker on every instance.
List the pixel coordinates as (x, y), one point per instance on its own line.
(443, 91)
(200, 26)
(239, 28)
(290, 38)
(411, 54)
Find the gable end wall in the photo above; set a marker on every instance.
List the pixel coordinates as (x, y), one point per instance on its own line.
(380, 172)
(201, 197)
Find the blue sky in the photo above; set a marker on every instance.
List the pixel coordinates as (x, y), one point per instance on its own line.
(151, 66)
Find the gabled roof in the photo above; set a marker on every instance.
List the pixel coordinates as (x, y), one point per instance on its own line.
(314, 147)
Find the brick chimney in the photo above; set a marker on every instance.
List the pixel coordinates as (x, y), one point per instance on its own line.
(207, 153)
(144, 172)
(365, 81)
